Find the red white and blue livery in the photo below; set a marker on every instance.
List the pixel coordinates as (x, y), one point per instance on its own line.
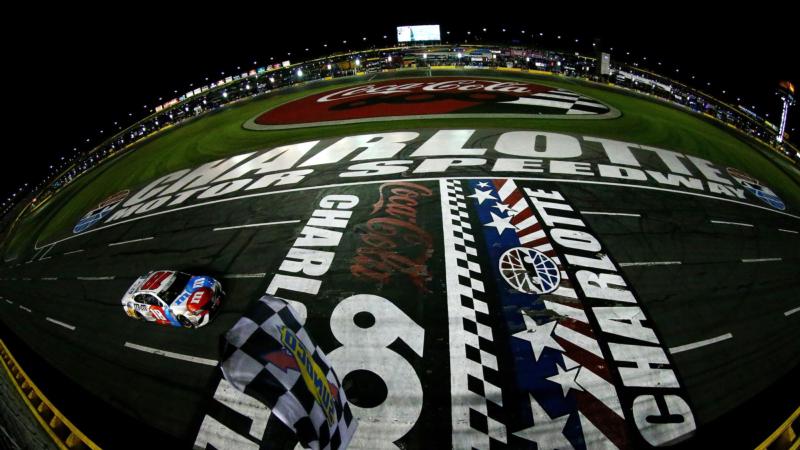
(168, 297)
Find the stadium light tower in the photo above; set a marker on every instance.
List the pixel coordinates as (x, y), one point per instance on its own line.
(786, 91)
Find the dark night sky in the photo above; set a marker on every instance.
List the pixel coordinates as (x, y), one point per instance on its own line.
(76, 72)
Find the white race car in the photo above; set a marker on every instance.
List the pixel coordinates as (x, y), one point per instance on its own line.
(173, 298)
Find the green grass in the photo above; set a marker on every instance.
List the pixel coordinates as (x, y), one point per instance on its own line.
(220, 134)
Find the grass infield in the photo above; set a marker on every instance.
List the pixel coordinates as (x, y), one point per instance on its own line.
(220, 134)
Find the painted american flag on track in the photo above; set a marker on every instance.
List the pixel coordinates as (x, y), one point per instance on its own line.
(566, 396)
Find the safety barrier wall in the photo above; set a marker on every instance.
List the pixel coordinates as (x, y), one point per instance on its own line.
(786, 436)
(61, 430)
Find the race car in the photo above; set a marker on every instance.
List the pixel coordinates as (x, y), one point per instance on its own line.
(168, 297)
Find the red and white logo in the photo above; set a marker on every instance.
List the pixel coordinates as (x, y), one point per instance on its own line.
(437, 97)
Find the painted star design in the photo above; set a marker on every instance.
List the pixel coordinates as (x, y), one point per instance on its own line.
(482, 195)
(505, 208)
(538, 335)
(566, 378)
(546, 432)
(483, 184)
(500, 223)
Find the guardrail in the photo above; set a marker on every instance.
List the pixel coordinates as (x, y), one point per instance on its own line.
(785, 437)
(62, 431)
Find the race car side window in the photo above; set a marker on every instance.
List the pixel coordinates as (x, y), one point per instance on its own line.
(147, 299)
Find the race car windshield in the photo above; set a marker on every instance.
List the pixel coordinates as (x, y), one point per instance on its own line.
(177, 287)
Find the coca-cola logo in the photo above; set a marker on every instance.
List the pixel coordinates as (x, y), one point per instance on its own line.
(516, 89)
(393, 243)
(437, 97)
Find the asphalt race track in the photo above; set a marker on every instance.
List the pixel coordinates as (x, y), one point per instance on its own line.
(717, 277)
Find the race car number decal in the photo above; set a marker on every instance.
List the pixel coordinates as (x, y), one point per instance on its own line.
(157, 313)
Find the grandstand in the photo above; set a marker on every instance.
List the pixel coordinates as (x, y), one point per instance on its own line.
(265, 79)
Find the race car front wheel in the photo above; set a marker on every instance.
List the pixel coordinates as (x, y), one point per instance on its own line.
(185, 322)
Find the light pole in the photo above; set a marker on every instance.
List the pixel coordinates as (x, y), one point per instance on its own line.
(786, 91)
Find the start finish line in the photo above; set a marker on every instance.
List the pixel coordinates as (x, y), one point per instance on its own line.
(496, 319)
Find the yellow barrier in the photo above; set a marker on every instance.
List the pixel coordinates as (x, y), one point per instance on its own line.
(785, 437)
(62, 431)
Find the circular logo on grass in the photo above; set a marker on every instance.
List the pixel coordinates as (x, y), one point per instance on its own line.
(437, 97)
(529, 271)
(755, 187)
(100, 211)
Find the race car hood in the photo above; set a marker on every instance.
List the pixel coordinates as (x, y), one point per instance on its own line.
(197, 295)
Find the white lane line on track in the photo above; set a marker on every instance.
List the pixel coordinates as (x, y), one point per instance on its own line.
(95, 278)
(130, 242)
(361, 183)
(155, 351)
(722, 222)
(603, 213)
(44, 255)
(9, 302)
(791, 311)
(245, 275)
(24, 308)
(57, 322)
(49, 278)
(650, 263)
(788, 231)
(73, 252)
(253, 225)
(698, 344)
(755, 260)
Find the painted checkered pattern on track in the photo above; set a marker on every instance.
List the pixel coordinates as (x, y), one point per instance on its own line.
(476, 394)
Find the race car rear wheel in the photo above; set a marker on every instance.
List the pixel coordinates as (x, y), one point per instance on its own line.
(185, 322)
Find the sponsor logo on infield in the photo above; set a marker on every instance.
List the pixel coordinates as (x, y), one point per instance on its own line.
(427, 154)
(755, 187)
(99, 212)
(430, 98)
